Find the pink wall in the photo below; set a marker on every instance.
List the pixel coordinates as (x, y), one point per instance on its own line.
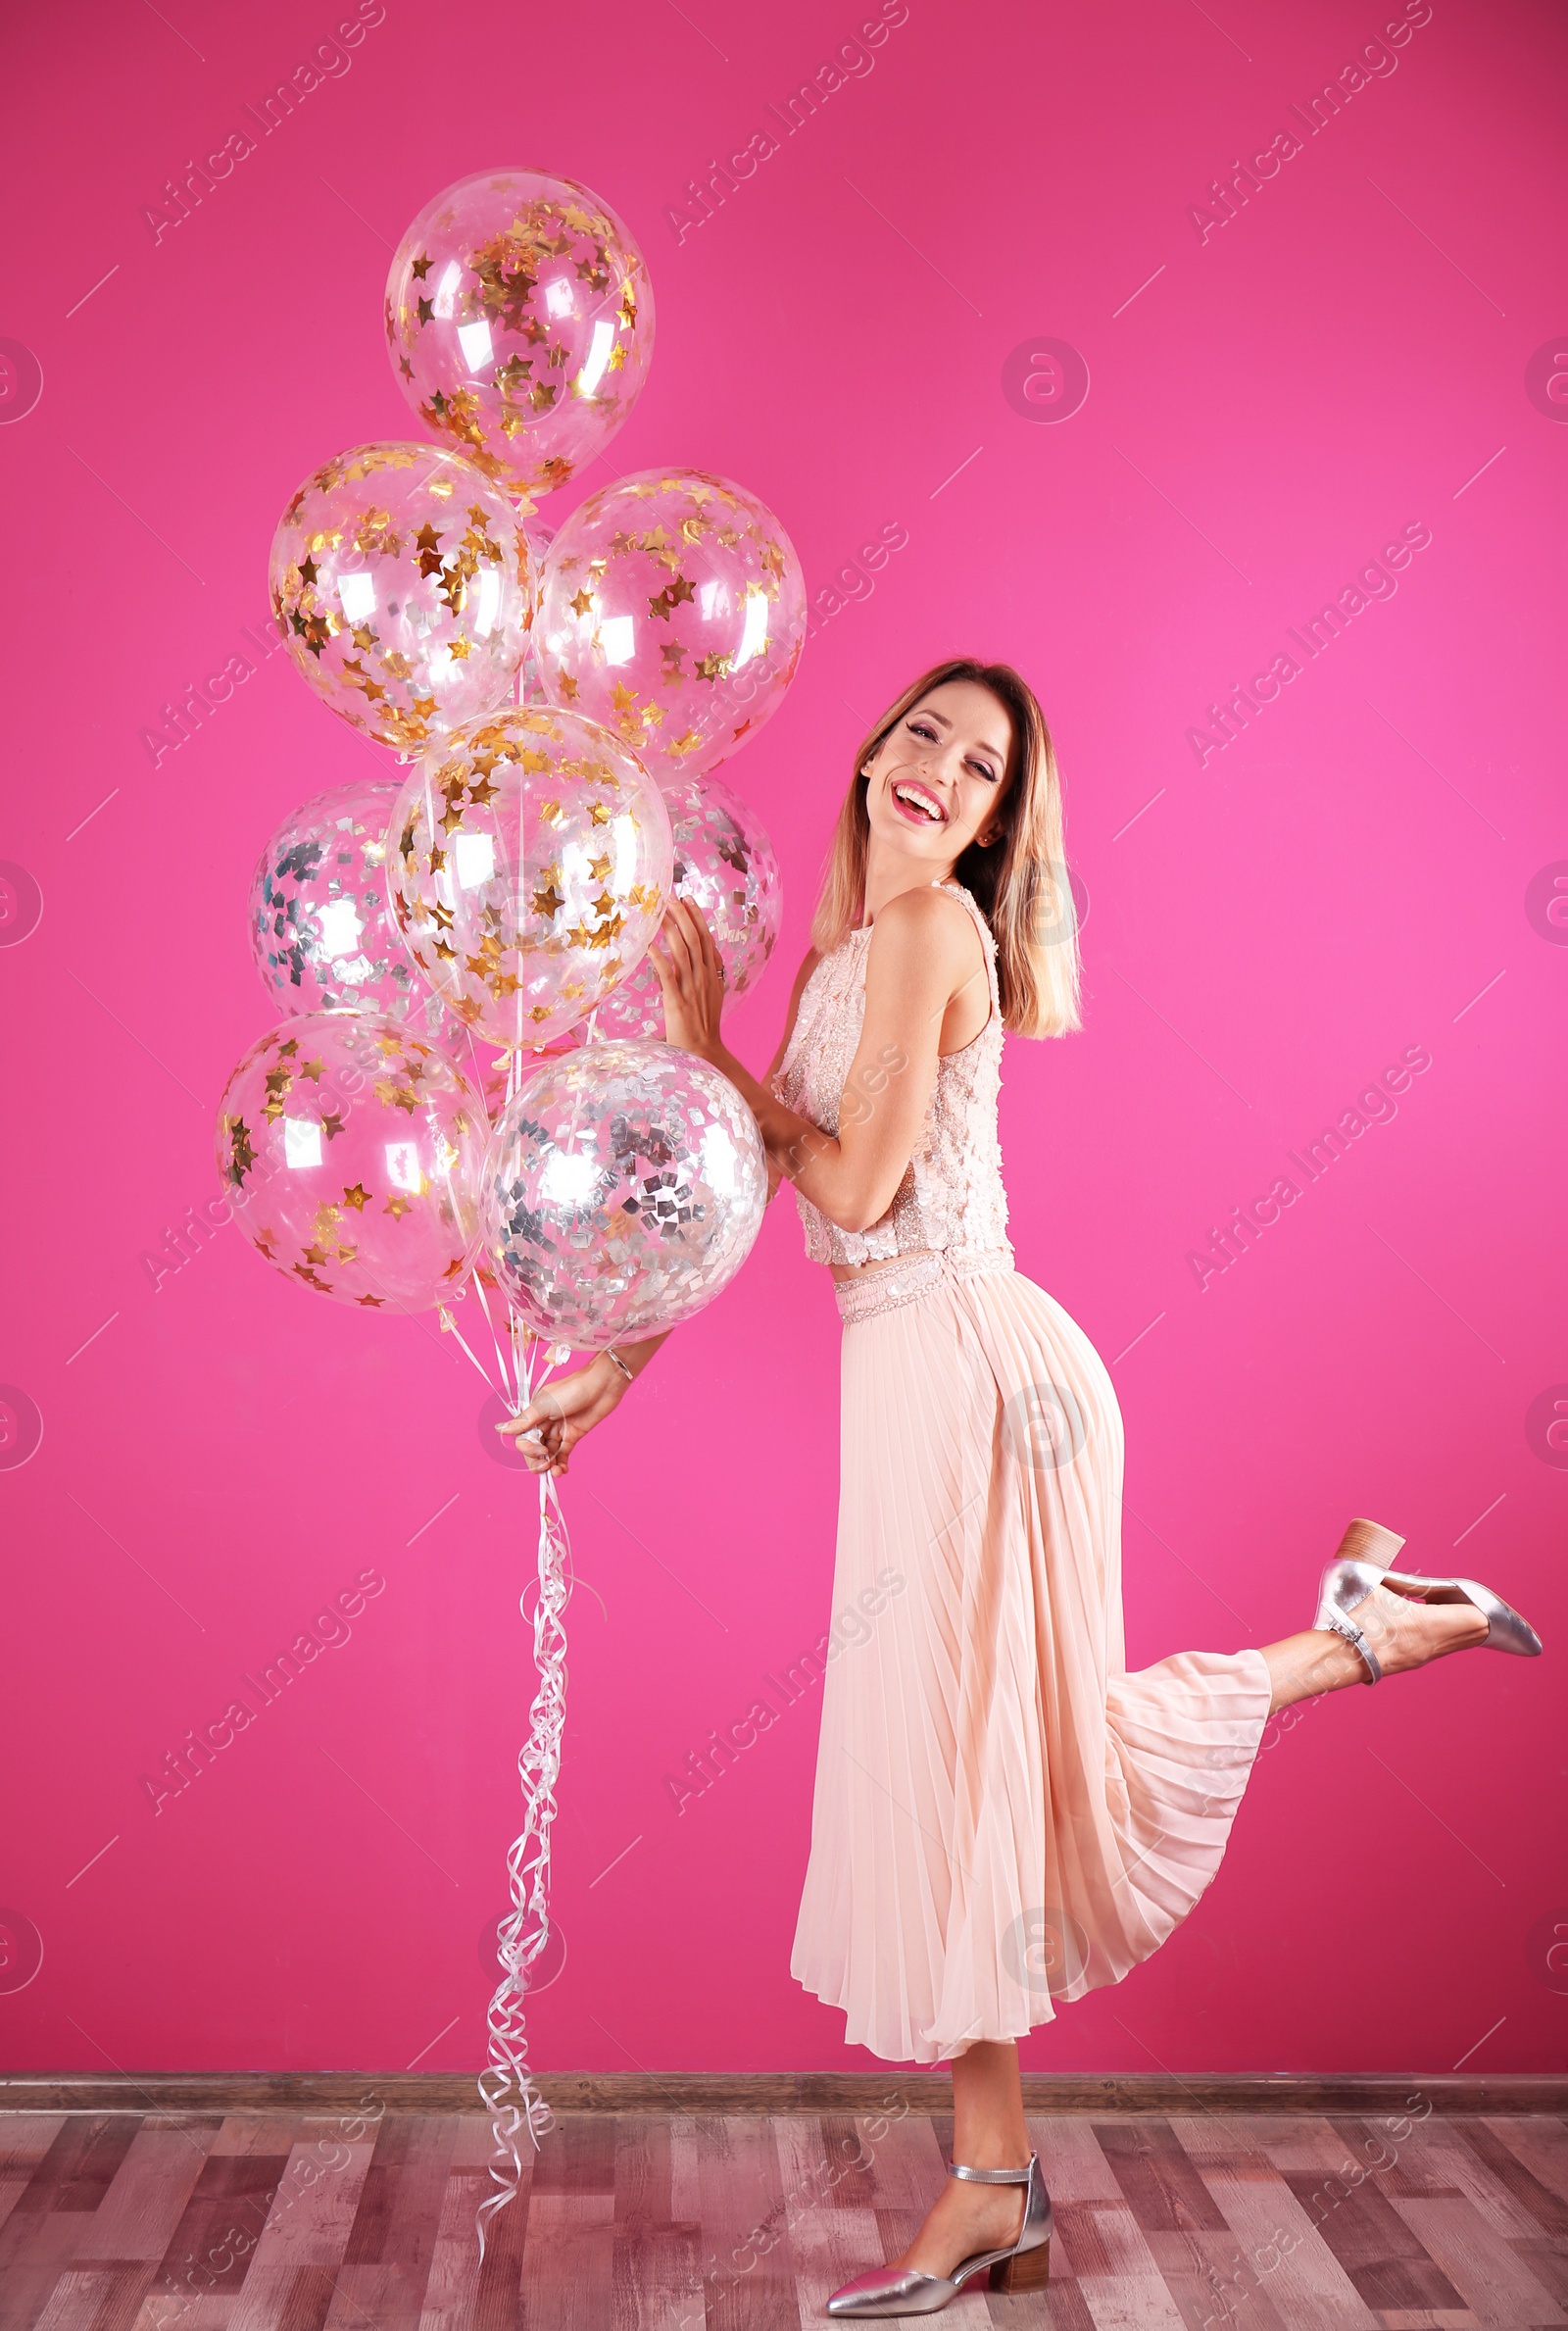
(1364, 868)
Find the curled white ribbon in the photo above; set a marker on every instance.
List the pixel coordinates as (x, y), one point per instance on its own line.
(514, 2102)
(515, 2105)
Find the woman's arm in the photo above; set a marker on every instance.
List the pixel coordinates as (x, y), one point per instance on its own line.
(922, 953)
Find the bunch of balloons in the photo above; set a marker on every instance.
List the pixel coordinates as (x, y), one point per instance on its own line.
(441, 941)
(467, 1087)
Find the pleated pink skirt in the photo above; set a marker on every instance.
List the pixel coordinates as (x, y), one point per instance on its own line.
(1004, 1817)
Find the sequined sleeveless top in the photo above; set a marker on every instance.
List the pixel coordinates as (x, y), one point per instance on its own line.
(951, 1200)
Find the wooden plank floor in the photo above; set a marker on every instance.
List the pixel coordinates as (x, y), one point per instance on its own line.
(290, 2220)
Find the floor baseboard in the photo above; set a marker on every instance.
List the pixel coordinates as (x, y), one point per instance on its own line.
(1388, 2095)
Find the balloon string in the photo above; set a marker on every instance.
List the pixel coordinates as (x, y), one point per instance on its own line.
(509, 1384)
(479, 1078)
(452, 1328)
(505, 2085)
(512, 2101)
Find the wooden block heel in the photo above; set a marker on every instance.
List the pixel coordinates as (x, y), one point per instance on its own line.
(1369, 1542)
(1026, 2270)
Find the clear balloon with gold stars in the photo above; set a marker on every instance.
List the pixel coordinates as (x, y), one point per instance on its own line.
(529, 869)
(520, 319)
(673, 610)
(352, 1153)
(405, 586)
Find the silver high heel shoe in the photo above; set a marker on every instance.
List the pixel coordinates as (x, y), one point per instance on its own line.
(1351, 1576)
(1025, 2266)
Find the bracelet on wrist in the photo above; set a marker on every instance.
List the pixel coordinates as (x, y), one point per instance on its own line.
(614, 1357)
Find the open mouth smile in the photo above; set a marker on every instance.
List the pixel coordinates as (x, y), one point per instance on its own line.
(918, 803)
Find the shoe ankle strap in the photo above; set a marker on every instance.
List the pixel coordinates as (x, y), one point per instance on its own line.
(993, 2177)
(1342, 1624)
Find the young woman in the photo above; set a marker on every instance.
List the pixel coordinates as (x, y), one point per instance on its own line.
(1003, 1816)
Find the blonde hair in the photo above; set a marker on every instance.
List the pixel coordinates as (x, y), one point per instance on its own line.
(1019, 883)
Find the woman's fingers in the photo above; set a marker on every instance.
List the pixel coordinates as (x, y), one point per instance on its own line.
(697, 926)
(711, 954)
(673, 930)
(543, 1412)
(708, 946)
(547, 1451)
(700, 949)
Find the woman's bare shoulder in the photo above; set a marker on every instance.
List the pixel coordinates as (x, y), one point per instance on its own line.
(927, 933)
(924, 912)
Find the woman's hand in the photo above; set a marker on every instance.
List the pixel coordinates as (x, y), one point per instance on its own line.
(685, 959)
(551, 1426)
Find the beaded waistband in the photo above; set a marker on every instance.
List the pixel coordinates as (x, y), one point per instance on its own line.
(877, 1291)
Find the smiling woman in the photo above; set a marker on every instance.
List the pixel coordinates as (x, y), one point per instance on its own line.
(990, 1776)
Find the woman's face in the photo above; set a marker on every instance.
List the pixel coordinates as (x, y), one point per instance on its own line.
(937, 778)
